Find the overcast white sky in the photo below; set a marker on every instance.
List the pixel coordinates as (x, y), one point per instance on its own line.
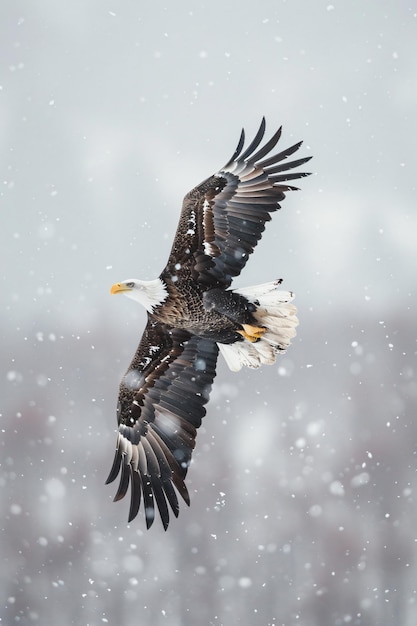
(111, 111)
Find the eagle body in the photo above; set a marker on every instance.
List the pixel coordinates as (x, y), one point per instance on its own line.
(193, 313)
(214, 314)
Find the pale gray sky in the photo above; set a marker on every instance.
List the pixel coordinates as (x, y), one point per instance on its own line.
(110, 112)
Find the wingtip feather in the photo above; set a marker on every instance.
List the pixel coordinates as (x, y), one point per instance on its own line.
(115, 468)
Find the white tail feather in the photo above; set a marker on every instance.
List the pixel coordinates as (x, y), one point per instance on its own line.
(277, 315)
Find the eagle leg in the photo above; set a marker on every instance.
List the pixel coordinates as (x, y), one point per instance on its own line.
(252, 333)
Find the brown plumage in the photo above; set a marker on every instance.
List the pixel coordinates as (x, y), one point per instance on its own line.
(191, 314)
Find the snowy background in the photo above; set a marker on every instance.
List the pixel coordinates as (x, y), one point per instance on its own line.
(303, 483)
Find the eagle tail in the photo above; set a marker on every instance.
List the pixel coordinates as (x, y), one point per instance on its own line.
(274, 313)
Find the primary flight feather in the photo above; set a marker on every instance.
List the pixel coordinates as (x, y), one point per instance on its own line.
(192, 314)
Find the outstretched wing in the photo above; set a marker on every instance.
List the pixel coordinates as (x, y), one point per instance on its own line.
(161, 405)
(223, 218)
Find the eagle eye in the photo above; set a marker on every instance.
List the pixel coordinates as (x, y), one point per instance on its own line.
(130, 285)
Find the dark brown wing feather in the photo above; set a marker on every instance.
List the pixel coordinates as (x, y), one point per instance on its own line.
(223, 218)
(161, 405)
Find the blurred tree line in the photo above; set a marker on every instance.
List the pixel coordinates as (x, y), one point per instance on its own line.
(302, 487)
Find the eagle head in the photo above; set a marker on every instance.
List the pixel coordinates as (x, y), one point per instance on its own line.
(149, 293)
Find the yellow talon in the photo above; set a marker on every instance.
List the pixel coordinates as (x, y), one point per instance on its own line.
(252, 333)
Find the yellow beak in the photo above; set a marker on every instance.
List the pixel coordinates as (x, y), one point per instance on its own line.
(118, 288)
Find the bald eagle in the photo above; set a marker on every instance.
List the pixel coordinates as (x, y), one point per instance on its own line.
(192, 314)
